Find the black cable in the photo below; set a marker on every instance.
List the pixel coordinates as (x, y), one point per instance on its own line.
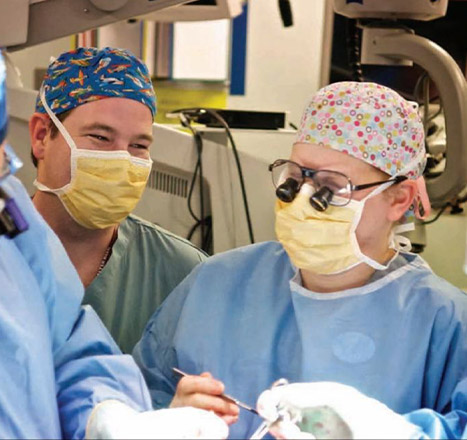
(197, 113)
(286, 13)
(224, 124)
(193, 230)
(426, 107)
(207, 239)
(438, 215)
(418, 84)
(185, 123)
(199, 146)
(190, 192)
(293, 126)
(353, 42)
(198, 170)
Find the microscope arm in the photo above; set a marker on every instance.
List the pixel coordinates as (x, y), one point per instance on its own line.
(452, 87)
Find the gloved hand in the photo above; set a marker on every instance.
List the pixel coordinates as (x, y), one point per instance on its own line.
(112, 419)
(329, 410)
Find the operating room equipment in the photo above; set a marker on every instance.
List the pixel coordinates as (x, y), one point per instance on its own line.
(25, 23)
(198, 11)
(285, 10)
(223, 395)
(388, 43)
(394, 44)
(202, 115)
(12, 221)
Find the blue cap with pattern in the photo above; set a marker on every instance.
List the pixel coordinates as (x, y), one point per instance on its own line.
(88, 74)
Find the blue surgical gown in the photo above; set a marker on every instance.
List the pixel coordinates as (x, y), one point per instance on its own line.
(245, 317)
(57, 360)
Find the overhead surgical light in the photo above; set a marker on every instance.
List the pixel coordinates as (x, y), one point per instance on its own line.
(25, 23)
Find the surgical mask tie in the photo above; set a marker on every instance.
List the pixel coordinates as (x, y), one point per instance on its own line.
(104, 187)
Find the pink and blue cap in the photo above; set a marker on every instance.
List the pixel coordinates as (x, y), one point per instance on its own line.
(372, 123)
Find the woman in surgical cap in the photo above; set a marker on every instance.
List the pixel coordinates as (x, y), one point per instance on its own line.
(337, 299)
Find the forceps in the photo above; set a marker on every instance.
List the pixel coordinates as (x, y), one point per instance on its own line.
(282, 414)
(225, 396)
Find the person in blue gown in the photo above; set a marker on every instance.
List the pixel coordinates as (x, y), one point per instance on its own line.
(339, 298)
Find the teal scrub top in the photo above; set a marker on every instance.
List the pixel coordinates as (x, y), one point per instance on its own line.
(146, 264)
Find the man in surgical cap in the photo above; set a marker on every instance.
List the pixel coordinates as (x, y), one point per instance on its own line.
(90, 138)
(338, 300)
(61, 374)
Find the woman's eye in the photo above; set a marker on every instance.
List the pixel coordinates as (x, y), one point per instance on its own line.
(140, 146)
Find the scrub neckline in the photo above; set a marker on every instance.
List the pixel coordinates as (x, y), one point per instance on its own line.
(394, 271)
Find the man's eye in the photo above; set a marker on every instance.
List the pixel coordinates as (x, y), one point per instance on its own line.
(99, 137)
(140, 146)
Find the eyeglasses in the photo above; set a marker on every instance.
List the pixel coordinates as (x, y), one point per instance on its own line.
(331, 187)
(11, 162)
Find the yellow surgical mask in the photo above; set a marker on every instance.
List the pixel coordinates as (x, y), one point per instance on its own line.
(325, 242)
(104, 187)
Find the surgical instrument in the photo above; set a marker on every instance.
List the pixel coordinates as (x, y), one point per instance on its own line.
(225, 396)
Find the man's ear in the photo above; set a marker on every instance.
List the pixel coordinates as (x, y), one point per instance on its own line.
(38, 130)
(401, 197)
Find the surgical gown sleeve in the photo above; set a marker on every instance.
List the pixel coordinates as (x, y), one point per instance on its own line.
(452, 425)
(90, 369)
(155, 353)
(72, 354)
(447, 357)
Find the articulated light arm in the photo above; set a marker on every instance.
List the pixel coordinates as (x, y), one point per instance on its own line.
(25, 23)
(452, 88)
